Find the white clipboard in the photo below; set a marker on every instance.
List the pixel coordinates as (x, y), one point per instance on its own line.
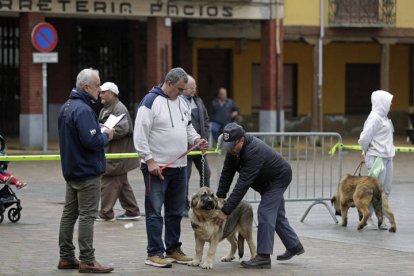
(112, 121)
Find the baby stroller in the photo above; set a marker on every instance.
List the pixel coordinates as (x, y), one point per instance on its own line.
(7, 196)
(7, 199)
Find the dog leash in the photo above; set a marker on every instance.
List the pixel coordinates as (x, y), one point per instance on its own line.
(148, 188)
(359, 168)
(182, 155)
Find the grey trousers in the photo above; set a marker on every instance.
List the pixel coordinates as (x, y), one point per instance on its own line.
(271, 217)
(113, 188)
(82, 201)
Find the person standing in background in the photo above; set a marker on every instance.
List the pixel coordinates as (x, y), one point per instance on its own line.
(376, 140)
(115, 184)
(82, 155)
(200, 122)
(222, 111)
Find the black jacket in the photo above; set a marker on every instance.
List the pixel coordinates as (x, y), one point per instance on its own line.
(260, 167)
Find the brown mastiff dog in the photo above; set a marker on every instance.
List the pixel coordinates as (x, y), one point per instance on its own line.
(204, 207)
(360, 192)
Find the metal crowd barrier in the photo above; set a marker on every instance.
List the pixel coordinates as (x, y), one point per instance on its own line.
(316, 173)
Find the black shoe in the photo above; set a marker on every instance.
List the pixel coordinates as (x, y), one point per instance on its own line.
(260, 261)
(297, 250)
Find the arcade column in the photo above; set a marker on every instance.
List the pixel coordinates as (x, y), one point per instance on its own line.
(271, 116)
(159, 49)
(31, 134)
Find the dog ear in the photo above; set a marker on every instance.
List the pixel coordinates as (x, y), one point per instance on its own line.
(333, 200)
(194, 200)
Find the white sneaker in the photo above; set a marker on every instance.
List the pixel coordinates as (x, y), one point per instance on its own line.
(98, 218)
(384, 225)
(125, 217)
(371, 224)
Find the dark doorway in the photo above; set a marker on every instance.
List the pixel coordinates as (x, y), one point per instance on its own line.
(361, 80)
(9, 77)
(290, 93)
(214, 71)
(109, 50)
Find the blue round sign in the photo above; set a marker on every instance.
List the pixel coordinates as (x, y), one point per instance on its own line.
(44, 37)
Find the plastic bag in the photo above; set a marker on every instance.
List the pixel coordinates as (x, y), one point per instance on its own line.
(376, 168)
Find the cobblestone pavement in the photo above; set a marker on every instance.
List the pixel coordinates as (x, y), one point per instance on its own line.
(30, 247)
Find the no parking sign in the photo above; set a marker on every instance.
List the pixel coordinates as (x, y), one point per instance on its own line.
(44, 37)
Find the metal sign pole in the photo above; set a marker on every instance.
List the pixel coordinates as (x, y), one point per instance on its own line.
(44, 102)
(44, 39)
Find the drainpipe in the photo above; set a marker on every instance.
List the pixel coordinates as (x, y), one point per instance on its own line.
(278, 84)
(320, 67)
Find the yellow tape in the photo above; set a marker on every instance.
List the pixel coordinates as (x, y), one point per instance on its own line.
(49, 157)
(358, 147)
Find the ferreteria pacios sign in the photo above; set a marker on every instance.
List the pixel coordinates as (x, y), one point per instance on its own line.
(260, 9)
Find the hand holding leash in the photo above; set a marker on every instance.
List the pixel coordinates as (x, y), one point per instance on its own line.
(154, 169)
(202, 144)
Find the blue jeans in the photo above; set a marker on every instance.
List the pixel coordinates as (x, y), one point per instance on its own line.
(216, 130)
(171, 193)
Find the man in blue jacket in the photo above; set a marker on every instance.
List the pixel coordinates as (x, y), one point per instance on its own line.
(260, 167)
(83, 162)
(222, 111)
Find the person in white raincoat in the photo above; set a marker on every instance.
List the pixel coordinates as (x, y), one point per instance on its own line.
(376, 140)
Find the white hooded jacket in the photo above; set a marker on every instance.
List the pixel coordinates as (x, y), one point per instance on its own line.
(376, 138)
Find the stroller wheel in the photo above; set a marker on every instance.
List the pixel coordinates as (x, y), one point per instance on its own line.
(1, 218)
(14, 215)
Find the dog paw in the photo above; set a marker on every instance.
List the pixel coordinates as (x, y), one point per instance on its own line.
(393, 229)
(360, 226)
(227, 258)
(207, 265)
(194, 263)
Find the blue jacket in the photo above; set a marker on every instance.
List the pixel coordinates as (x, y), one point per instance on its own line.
(221, 114)
(81, 141)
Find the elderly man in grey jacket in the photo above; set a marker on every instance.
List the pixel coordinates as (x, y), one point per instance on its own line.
(115, 184)
(201, 123)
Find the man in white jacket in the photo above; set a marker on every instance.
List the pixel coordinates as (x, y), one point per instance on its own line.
(376, 140)
(162, 133)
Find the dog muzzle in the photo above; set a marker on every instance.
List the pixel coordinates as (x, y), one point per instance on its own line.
(208, 204)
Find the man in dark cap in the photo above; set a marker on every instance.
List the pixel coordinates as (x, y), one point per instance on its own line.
(260, 167)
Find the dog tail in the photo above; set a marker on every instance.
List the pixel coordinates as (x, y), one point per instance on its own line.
(240, 245)
(377, 204)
